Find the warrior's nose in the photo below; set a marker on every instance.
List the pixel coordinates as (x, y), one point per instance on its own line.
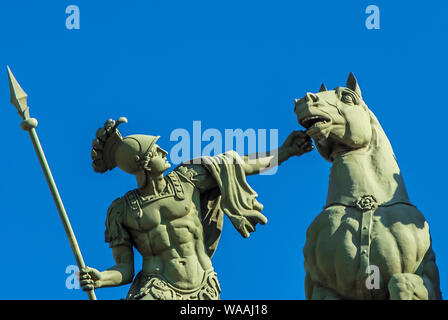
(311, 97)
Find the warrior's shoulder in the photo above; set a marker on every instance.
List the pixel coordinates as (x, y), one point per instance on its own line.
(117, 206)
(191, 171)
(128, 199)
(116, 233)
(194, 173)
(197, 175)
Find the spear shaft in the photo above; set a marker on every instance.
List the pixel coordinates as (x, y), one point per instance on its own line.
(18, 98)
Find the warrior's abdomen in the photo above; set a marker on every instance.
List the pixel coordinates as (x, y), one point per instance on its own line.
(340, 244)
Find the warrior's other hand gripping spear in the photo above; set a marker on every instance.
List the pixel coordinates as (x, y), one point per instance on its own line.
(18, 99)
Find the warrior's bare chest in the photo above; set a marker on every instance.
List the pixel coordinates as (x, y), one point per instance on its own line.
(162, 211)
(147, 214)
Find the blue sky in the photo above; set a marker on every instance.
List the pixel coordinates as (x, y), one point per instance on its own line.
(229, 64)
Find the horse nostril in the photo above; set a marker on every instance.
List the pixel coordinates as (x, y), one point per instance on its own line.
(312, 97)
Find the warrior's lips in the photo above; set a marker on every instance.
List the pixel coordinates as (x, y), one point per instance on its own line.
(314, 121)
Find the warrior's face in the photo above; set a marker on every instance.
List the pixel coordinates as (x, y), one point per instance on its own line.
(158, 163)
(142, 157)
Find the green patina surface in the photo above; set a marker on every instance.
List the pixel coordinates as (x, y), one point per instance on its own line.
(174, 221)
(368, 220)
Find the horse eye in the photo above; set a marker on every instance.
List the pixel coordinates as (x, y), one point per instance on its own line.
(348, 98)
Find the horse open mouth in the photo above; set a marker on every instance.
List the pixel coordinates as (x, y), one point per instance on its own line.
(314, 121)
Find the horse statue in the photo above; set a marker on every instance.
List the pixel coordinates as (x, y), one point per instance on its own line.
(369, 242)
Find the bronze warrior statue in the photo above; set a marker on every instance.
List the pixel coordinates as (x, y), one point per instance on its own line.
(174, 221)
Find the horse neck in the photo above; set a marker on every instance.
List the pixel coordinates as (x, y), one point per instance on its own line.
(372, 170)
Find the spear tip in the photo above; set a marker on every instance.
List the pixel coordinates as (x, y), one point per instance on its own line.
(18, 96)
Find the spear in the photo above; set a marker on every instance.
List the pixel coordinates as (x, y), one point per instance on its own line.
(18, 99)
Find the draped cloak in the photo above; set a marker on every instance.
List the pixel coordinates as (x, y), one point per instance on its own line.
(232, 196)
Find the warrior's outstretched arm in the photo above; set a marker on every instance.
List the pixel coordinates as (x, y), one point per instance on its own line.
(296, 144)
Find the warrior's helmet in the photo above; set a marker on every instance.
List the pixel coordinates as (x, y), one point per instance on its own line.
(131, 154)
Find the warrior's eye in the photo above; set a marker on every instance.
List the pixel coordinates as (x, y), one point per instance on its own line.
(161, 152)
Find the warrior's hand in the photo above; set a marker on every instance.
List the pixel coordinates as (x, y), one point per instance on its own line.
(246, 224)
(89, 278)
(297, 143)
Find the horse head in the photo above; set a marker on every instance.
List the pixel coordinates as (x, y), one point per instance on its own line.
(337, 120)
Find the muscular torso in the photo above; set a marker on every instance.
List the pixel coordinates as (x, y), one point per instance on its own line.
(396, 239)
(169, 236)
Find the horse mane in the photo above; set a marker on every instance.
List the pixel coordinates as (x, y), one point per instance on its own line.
(379, 138)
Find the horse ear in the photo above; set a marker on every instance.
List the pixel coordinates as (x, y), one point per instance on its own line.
(352, 83)
(322, 88)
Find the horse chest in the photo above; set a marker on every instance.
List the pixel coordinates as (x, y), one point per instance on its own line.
(345, 243)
